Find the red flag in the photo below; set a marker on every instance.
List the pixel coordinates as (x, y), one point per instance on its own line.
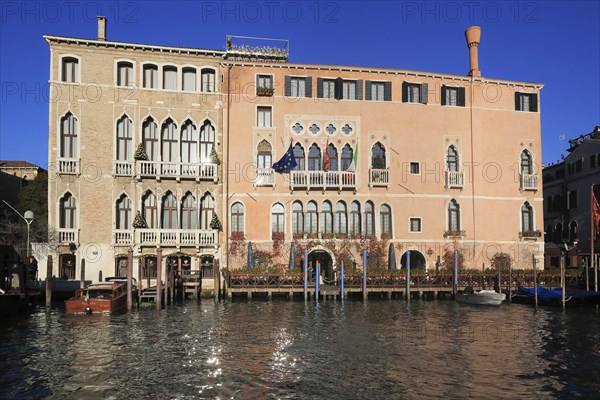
(595, 213)
(326, 161)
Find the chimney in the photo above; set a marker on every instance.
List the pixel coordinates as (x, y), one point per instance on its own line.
(101, 28)
(473, 35)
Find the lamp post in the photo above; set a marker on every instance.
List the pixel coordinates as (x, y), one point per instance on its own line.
(28, 218)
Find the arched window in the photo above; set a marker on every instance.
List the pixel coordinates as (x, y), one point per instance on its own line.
(354, 228)
(573, 230)
(150, 210)
(314, 158)
(169, 211)
(385, 213)
(150, 80)
(369, 219)
(189, 79)
(208, 80)
(150, 139)
(123, 213)
(125, 74)
(68, 212)
(68, 136)
(189, 212)
(189, 142)
(558, 233)
(453, 216)
(300, 159)
(207, 208)
(169, 141)
(340, 223)
(70, 70)
(170, 77)
(378, 156)
(333, 157)
(237, 218)
(264, 157)
(297, 218)
(452, 161)
(311, 218)
(526, 163)
(124, 139)
(277, 219)
(527, 217)
(326, 218)
(346, 160)
(207, 141)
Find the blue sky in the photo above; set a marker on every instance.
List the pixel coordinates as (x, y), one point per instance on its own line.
(556, 43)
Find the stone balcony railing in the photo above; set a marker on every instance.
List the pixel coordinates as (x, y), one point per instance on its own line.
(455, 179)
(455, 234)
(379, 177)
(264, 177)
(66, 236)
(178, 170)
(123, 236)
(530, 235)
(177, 237)
(68, 166)
(321, 180)
(529, 181)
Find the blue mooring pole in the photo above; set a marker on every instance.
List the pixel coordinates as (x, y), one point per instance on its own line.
(305, 274)
(455, 286)
(364, 282)
(408, 275)
(342, 280)
(317, 282)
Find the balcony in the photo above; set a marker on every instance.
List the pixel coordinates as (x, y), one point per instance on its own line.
(379, 177)
(123, 168)
(66, 236)
(455, 179)
(264, 177)
(123, 237)
(321, 180)
(177, 237)
(177, 170)
(455, 234)
(530, 235)
(68, 166)
(529, 181)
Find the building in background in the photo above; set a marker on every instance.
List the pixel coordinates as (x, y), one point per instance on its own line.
(567, 200)
(14, 175)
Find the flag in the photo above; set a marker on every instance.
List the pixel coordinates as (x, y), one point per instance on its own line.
(595, 213)
(287, 162)
(352, 166)
(326, 160)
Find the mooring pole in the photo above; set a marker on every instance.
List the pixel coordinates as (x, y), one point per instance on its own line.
(364, 280)
(509, 282)
(342, 280)
(129, 279)
(408, 275)
(587, 274)
(82, 275)
(305, 274)
(318, 274)
(49, 282)
(535, 291)
(158, 279)
(455, 285)
(562, 280)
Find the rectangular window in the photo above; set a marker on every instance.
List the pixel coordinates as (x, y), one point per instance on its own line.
(189, 80)
(414, 168)
(208, 80)
(579, 165)
(377, 91)
(150, 80)
(415, 92)
(170, 78)
(70, 70)
(328, 88)
(298, 87)
(264, 81)
(263, 117)
(526, 102)
(415, 224)
(453, 96)
(593, 161)
(125, 74)
(572, 199)
(349, 90)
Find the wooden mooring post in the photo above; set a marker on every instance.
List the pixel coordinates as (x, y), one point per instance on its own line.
(82, 274)
(158, 279)
(49, 282)
(305, 274)
(562, 278)
(408, 275)
(342, 294)
(364, 277)
(129, 279)
(535, 286)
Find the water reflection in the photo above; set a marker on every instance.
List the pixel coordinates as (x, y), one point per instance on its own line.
(351, 349)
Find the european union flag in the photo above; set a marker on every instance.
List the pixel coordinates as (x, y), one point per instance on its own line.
(287, 162)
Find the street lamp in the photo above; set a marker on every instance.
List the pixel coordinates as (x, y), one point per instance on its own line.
(28, 218)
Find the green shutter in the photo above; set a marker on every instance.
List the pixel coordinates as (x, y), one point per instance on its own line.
(444, 88)
(534, 102)
(404, 92)
(308, 87)
(461, 96)
(517, 101)
(320, 88)
(359, 89)
(339, 88)
(424, 93)
(368, 90)
(288, 85)
(387, 91)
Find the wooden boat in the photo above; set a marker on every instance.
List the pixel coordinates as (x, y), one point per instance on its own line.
(483, 297)
(554, 296)
(99, 298)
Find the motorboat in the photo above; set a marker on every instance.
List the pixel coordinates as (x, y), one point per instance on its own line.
(482, 297)
(98, 298)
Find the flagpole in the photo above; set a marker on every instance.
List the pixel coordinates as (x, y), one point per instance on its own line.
(592, 237)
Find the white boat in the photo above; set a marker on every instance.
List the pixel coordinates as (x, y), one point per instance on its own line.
(483, 297)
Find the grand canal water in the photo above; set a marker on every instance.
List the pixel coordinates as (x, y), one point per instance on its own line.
(296, 350)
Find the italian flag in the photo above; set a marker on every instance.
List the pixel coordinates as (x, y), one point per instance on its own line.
(354, 163)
